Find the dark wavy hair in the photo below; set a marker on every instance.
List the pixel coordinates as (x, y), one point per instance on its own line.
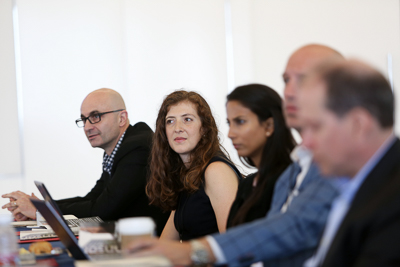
(168, 174)
(265, 103)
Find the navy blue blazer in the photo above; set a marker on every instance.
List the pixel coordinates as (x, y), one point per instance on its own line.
(369, 234)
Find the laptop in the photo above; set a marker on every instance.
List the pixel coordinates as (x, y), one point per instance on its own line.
(71, 222)
(67, 237)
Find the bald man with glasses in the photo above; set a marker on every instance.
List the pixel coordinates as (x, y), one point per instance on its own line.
(120, 192)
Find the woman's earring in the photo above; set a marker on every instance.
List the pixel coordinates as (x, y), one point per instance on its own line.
(268, 133)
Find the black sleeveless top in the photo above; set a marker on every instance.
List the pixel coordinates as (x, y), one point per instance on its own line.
(194, 215)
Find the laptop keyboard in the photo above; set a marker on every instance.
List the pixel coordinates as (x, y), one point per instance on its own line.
(77, 222)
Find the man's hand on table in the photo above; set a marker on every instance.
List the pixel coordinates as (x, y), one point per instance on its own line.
(20, 205)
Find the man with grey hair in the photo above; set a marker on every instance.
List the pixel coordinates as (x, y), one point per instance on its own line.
(346, 111)
(120, 192)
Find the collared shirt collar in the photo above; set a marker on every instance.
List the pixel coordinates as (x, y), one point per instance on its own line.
(348, 187)
(108, 161)
(302, 155)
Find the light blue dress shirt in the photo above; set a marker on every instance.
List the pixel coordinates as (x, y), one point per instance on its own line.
(299, 154)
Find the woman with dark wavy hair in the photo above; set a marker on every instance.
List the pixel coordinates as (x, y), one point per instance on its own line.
(190, 175)
(259, 133)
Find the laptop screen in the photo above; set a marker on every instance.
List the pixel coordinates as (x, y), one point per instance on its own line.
(46, 195)
(59, 226)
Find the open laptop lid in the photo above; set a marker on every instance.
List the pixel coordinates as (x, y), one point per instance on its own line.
(46, 195)
(62, 230)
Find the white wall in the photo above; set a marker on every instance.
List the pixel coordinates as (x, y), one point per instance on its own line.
(147, 49)
(267, 32)
(9, 141)
(171, 45)
(367, 29)
(11, 171)
(65, 54)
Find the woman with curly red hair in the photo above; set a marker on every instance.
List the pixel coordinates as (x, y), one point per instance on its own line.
(190, 175)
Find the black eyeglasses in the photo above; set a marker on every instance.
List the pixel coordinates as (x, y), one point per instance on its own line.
(93, 118)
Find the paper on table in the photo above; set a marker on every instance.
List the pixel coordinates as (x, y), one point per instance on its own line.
(23, 223)
(149, 261)
(85, 237)
(33, 223)
(42, 233)
(37, 234)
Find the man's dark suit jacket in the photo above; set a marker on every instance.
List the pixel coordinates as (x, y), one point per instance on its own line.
(123, 193)
(370, 232)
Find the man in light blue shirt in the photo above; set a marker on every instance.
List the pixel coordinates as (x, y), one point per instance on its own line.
(290, 232)
(346, 110)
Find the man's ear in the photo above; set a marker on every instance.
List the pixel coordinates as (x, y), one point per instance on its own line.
(269, 126)
(123, 118)
(362, 122)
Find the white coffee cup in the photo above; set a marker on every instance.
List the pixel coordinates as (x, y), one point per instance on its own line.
(133, 228)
